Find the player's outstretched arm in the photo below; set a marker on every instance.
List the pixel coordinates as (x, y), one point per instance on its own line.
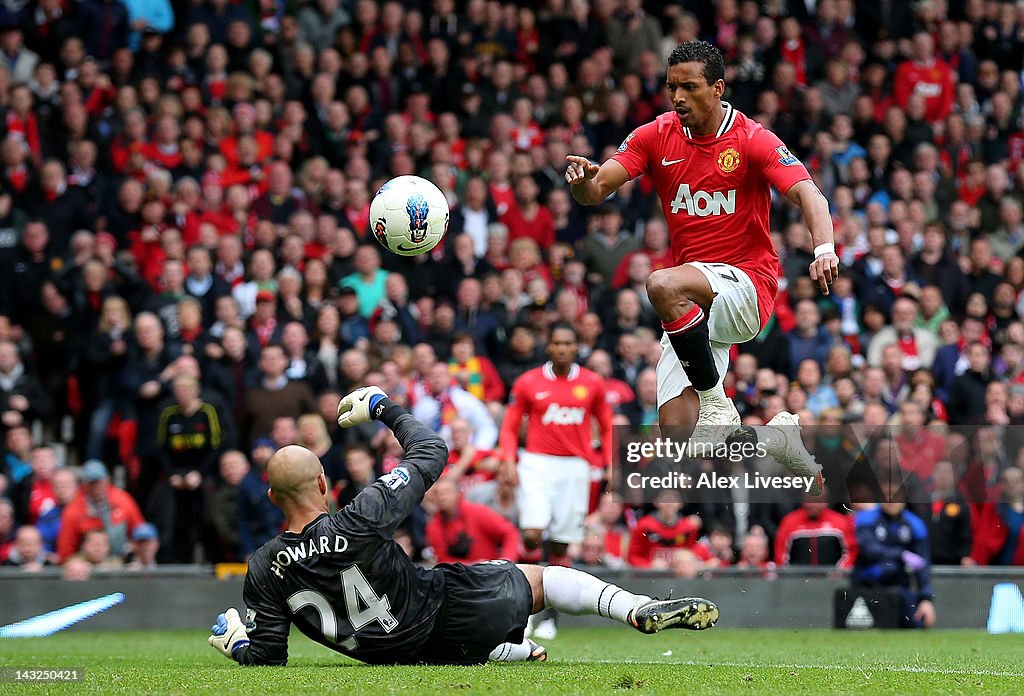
(385, 504)
(825, 267)
(590, 183)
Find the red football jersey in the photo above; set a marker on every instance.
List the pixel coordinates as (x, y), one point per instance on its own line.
(653, 539)
(560, 410)
(715, 191)
(935, 81)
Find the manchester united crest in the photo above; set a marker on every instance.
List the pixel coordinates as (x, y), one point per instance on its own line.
(580, 392)
(729, 160)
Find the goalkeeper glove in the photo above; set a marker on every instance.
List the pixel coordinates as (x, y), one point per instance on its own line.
(360, 406)
(229, 634)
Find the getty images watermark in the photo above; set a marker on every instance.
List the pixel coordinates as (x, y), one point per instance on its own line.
(919, 463)
(649, 465)
(669, 450)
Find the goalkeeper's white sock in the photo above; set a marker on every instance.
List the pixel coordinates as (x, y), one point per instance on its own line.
(576, 592)
(512, 652)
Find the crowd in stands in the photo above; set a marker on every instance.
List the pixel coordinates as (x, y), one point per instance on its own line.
(187, 281)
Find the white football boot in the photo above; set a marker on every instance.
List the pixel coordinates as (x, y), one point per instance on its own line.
(717, 420)
(788, 450)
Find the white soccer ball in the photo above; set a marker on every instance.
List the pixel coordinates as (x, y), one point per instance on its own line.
(409, 215)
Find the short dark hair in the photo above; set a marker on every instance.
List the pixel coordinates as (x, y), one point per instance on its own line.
(360, 447)
(700, 52)
(564, 326)
(460, 336)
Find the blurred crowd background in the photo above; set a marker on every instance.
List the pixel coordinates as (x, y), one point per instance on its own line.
(187, 281)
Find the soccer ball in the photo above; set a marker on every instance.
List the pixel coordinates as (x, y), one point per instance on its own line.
(409, 215)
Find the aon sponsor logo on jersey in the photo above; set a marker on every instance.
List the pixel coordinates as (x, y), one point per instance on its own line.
(928, 89)
(704, 203)
(563, 415)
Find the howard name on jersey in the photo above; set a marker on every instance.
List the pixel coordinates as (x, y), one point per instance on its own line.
(715, 191)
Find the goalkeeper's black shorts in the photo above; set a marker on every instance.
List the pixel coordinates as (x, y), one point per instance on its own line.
(486, 604)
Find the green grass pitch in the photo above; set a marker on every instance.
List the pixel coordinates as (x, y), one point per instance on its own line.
(609, 660)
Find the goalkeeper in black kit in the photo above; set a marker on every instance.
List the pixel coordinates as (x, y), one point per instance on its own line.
(346, 584)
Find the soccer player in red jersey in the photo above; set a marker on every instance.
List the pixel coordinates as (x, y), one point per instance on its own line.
(712, 168)
(560, 399)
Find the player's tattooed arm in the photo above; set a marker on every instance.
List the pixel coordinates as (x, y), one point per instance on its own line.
(591, 183)
(825, 267)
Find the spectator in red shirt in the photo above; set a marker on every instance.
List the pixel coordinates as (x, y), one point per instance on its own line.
(164, 150)
(467, 532)
(468, 465)
(657, 535)
(99, 506)
(815, 535)
(617, 393)
(919, 448)
(526, 134)
(6, 528)
(754, 552)
(244, 121)
(719, 546)
(594, 550)
(527, 217)
(607, 520)
(999, 535)
(655, 247)
(42, 499)
(927, 76)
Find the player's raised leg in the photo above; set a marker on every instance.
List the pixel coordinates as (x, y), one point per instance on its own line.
(683, 298)
(733, 319)
(575, 592)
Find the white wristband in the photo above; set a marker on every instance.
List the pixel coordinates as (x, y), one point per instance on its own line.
(822, 249)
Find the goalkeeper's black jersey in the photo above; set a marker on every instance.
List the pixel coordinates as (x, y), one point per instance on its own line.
(343, 581)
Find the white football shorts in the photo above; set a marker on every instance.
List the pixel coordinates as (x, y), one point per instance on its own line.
(553, 494)
(734, 318)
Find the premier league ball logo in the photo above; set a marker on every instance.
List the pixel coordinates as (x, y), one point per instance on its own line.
(418, 210)
(380, 231)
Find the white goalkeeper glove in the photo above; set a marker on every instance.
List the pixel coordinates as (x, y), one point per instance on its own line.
(358, 407)
(229, 634)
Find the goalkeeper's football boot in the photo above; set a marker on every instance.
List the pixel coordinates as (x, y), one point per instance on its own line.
(538, 653)
(693, 613)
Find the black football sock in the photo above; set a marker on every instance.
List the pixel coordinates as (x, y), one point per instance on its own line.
(691, 341)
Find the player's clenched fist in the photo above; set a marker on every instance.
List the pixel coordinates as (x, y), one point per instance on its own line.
(508, 472)
(824, 270)
(358, 407)
(580, 169)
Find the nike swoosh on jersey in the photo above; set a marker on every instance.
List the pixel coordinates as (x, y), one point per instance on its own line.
(665, 162)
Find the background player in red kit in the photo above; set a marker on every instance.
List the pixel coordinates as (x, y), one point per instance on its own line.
(560, 399)
(713, 168)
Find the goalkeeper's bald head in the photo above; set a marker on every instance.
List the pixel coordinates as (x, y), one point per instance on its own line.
(298, 484)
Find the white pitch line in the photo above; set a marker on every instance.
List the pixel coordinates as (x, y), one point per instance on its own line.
(912, 669)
